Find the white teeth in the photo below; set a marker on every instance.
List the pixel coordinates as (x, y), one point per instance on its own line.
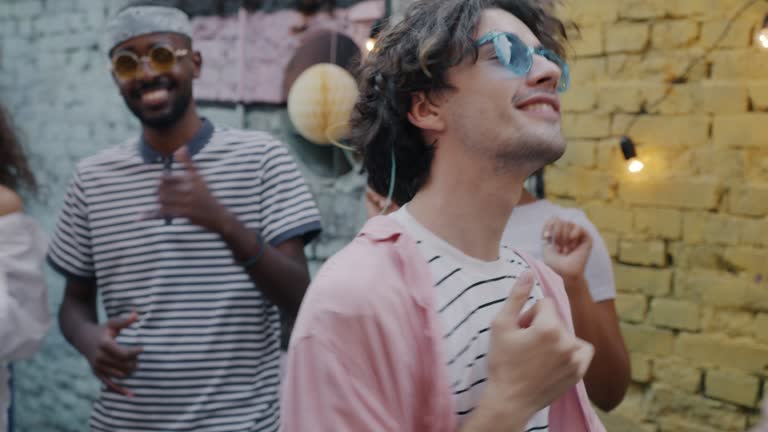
(539, 107)
(155, 95)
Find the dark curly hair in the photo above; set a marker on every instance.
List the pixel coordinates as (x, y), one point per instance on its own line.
(14, 169)
(414, 56)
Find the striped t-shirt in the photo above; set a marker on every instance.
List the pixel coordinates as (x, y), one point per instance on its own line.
(211, 339)
(469, 294)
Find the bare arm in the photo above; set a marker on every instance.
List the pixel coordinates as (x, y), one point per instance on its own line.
(78, 318)
(608, 376)
(567, 252)
(79, 323)
(281, 272)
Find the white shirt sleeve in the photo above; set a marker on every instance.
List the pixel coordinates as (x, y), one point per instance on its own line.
(24, 315)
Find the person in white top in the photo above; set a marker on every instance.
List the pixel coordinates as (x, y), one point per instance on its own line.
(24, 317)
(591, 293)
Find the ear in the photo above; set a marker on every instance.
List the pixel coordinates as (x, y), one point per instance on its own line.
(197, 61)
(425, 114)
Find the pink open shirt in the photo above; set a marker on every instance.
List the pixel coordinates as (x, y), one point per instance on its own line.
(366, 352)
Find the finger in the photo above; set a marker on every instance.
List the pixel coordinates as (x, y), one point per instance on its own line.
(121, 354)
(583, 357)
(548, 231)
(111, 364)
(116, 325)
(182, 155)
(543, 314)
(114, 387)
(110, 371)
(518, 296)
(575, 236)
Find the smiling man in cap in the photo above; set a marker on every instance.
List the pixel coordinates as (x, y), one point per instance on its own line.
(193, 236)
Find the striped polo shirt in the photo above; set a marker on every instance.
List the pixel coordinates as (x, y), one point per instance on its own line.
(469, 293)
(211, 338)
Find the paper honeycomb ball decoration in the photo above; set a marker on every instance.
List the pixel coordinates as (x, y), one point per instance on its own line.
(320, 103)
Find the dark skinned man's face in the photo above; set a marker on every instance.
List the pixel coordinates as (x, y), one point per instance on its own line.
(159, 99)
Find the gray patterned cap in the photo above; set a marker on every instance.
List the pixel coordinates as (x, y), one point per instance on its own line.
(137, 21)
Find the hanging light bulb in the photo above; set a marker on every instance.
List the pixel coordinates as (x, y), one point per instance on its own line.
(762, 35)
(370, 44)
(634, 165)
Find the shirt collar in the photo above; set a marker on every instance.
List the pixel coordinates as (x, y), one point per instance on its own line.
(201, 138)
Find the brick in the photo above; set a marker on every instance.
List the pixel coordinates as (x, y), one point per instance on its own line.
(579, 183)
(641, 368)
(691, 412)
(714, 228)
(588, 70)
(624, 37)
(732, 386)
(720, 97)
(642, 9)
(739, 35)
(588, 41)
(579, 99)
(707, 350)
(738, 64)
(761, 328)
(749, 199)
(754, 232)
(674, 34)
(742, 130)
(675, 314)
(677, 373)
(705, 8)
(652, 282)
(579, 153)
(27, 8)
(627, 96)
(663, 66)
(712, 288)
(586, 126)
(643, 252)
(734, 323)
(719, 162)
(746, 258)
(671, 131)
(688, 193)
(658, 222)
(648, 340)
(609, 218)
(631, 307)
(611, 243)
(681, 423)
(588, 12)
(758, 95)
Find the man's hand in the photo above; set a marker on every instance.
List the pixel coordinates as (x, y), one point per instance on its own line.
(533, 359)
(566, 248)
(188, 196)
(110, 360)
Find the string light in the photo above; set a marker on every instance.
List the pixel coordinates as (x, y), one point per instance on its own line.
(376, 28)
(762, 35)
(634, 165)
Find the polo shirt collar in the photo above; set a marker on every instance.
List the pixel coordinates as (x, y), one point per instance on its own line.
(201, 138)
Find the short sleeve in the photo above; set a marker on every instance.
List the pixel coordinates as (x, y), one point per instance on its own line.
(70, 251)
(288, 209)
(599, 272)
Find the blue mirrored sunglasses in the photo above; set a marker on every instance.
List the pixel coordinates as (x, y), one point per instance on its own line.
(518, 57)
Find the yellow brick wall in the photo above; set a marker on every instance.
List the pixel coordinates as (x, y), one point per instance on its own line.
(689, 234)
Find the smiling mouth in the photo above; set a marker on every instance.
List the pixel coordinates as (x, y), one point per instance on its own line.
(540, 108)
(155, 97)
